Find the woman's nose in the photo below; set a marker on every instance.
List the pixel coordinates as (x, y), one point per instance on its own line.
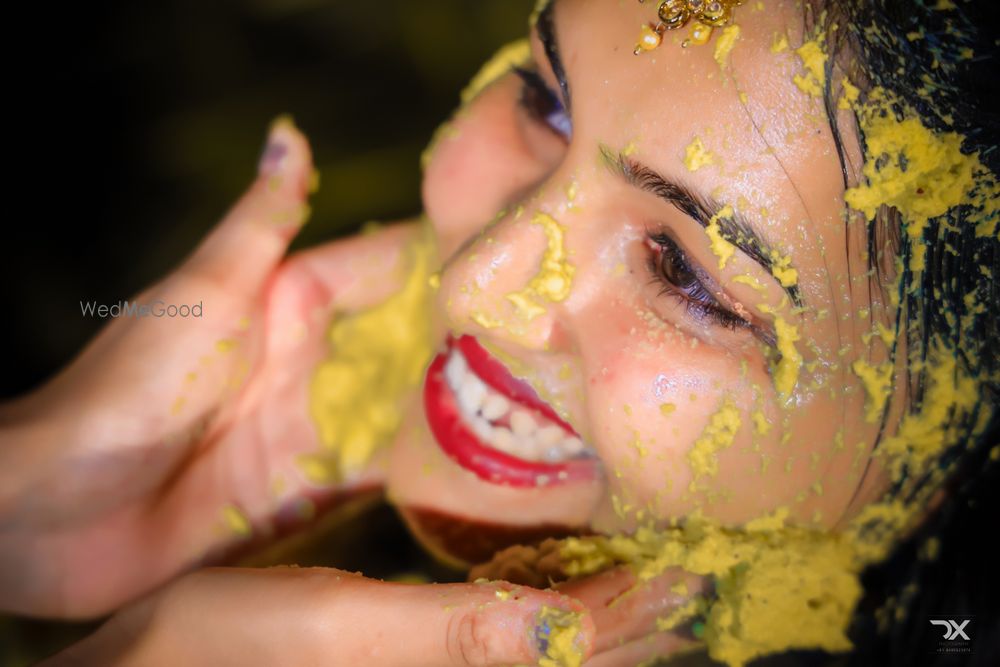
(513, 281)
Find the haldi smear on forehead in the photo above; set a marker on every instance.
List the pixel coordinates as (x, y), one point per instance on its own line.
(813, 58)
(697, 156)
(724, 46)
(555, 276)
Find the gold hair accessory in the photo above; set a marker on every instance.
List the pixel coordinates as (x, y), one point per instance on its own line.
(674, 14)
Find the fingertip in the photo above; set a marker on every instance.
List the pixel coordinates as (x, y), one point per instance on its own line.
(564, 633)
(286, 161)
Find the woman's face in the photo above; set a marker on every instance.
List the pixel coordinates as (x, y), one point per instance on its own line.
(672, 353)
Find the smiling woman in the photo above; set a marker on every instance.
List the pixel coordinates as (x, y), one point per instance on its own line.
(694, 333)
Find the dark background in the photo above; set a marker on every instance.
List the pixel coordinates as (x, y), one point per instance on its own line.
(132, 126)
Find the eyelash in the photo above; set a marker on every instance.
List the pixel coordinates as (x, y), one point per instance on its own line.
(542, 104)
(670, 268)
(669, 265)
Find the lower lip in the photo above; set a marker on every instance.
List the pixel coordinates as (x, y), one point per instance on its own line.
(458, 441)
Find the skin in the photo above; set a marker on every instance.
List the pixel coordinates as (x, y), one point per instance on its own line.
(128, 536)
(614, 342)
(609, 355)
(160, 473)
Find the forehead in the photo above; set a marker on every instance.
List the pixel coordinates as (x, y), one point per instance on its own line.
(772, 149)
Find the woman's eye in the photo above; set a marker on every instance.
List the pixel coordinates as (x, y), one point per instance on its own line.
(677, 277)
(543, 104)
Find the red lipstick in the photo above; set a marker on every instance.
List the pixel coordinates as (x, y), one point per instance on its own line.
(456, 435)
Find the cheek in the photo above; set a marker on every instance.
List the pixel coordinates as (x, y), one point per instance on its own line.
(648, 416)
(684, 428)
(480, 164)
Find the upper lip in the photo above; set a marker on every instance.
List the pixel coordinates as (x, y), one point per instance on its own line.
(460, 442)
(496, 375)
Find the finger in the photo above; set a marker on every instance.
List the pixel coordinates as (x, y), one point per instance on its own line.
(346, 275)
(220, 283)
(643, 651)
(320, 616)
(479, 624)
(625, 609)
(242, 251)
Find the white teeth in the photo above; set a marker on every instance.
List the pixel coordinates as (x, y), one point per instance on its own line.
(573, 445)
(472, 394)
(503, 439)
(454, 371)
(549, 435)
(554, 454)
(495, 406)
(522, 423)
(482, 429)
(529, 436)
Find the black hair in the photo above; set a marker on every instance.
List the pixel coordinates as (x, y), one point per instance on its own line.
(938, 61)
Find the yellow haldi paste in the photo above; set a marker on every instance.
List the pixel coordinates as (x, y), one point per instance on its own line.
(724, 45)
(555, 276)
(813, 58)
(377, 357)
(722, 248)
(921, 173)
(718, 435)
(697, 156)
(768, 576)
(877, 380)
(515, 54)
(564, 628)
(786, 371)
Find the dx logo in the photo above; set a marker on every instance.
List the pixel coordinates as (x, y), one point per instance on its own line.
(953, 630)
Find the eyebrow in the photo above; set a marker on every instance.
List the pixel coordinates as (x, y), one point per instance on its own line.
(735, 229)
(547, 35)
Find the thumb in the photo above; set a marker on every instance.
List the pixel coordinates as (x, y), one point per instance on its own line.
(244, 248)
(313, 616)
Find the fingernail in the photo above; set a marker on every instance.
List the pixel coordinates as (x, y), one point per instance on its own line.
(272, 160)
(558, 637)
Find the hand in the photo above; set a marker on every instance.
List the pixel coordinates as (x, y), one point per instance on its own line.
(292, 616)
(625, 613)
(167, 439)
